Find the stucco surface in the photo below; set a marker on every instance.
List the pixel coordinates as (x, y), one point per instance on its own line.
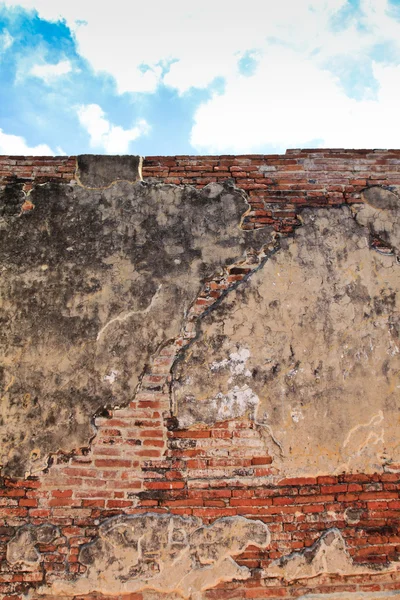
(93, 282)
(165, 553)
(308, 350)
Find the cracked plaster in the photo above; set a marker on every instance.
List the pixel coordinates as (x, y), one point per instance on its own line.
(319, 329)
(327, 556)
(93, 283)
(165, 553)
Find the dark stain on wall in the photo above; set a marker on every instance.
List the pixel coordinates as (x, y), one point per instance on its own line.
(93, 283)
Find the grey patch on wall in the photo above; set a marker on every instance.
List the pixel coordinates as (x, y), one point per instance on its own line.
(309, 350)
(93, 283)
(163, 552)
(22, 548)
(380, 213)
(100, 171)
(327, 556)
(353, 515)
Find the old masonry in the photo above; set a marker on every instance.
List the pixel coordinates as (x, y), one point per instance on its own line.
(200, 377)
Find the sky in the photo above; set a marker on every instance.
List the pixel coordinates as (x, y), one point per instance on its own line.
(210, 77)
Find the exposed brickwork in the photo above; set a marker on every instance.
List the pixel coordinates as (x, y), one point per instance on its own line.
(139, 462)
(277, 185)
(38, 169)
(297, 512)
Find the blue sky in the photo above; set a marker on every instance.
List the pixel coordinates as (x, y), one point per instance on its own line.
(83, 76)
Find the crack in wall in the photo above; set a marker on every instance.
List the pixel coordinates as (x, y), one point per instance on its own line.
(124, 317)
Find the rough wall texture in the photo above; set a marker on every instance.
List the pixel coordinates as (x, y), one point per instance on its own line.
(94, 283)
(199, 377)
(309, 349)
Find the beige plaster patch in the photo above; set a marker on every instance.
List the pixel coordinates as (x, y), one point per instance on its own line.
(165, 553)
(320, 326)
(327, 556)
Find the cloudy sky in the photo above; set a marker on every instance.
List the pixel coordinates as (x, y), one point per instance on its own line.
(212, 77)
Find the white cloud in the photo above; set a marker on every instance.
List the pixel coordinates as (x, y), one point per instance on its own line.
(15, 145)
(49, 72)
(292, 103)
(289, 100)
(205, 38)
(6, 41)
(110, 138)
(33, 63)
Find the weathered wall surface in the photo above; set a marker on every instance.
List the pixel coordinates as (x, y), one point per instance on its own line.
(93, 283)
(310, 349)
(199, 376)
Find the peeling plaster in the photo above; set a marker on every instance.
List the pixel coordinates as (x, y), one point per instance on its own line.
(236, 403)
(165, 553)
(22, 548)
(320, 323)
(381, 215)
(327, 556)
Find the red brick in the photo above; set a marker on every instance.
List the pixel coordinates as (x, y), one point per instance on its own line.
(267, 593)
(31, 502)
(190, 434)
(94, 502)
(332, 489)
(251, 502)
(261, 460)
(112, 463)
(298, 481)
(61, 493)
(164, 485)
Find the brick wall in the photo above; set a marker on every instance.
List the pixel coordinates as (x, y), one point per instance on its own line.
(138, 462)
(276, 184)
